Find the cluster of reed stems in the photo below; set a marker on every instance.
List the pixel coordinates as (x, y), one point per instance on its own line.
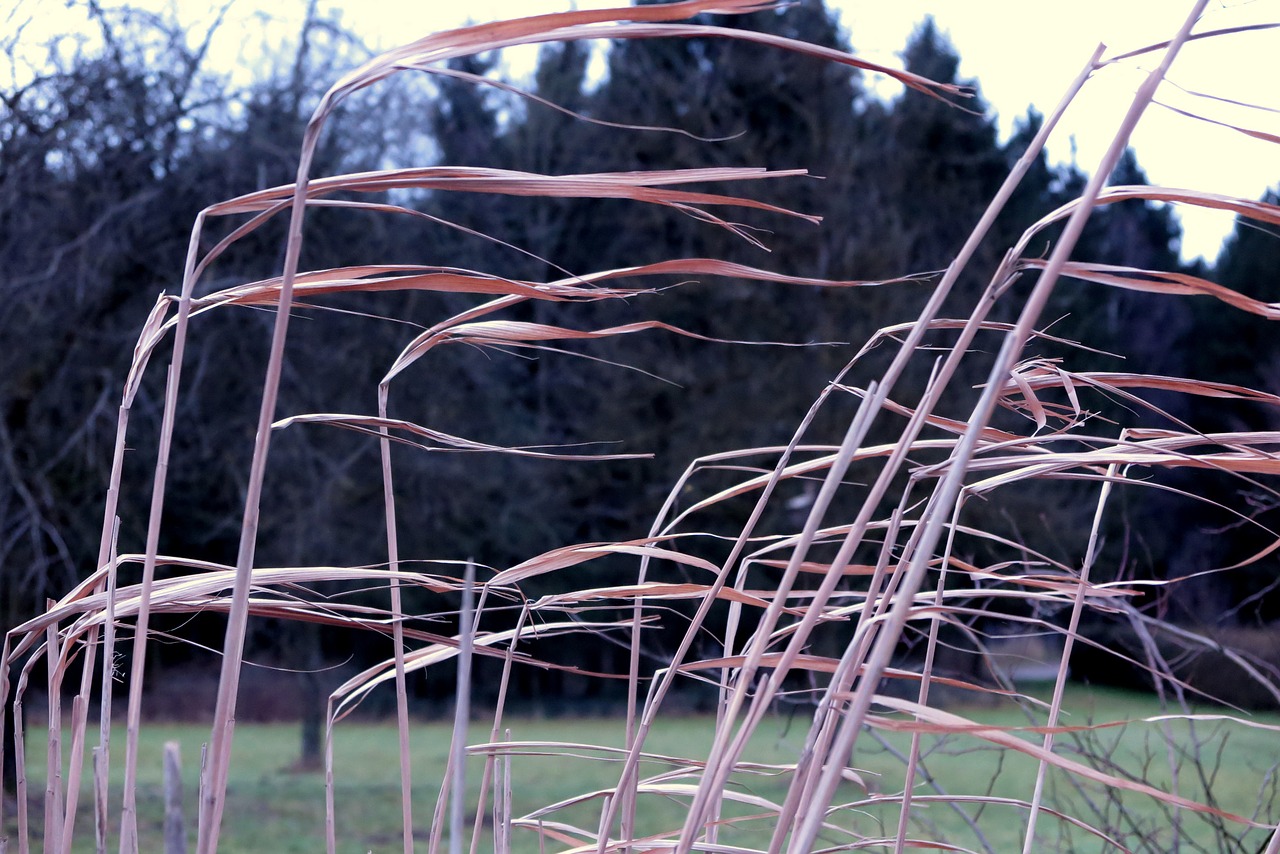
(770, 631)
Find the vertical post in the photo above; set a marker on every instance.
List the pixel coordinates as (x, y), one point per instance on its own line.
(99, 800)
(53, 780)
(175, 836)
(102, 753)
(504, 820)
(20, 761)
(462, 711)
(201, 782)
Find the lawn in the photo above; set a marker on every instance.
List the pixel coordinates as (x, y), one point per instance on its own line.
(271, 808)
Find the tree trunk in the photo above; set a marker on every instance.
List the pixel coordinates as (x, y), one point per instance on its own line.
(308, 638)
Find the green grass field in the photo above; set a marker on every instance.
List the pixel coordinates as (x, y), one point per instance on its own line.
(271, 808)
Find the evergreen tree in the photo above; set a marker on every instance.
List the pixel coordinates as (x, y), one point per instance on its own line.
(1243, 348)
(463, 121)
(1142, 327)
(1224, 344)
(779, 110)
(1140, 330)
(941, 162)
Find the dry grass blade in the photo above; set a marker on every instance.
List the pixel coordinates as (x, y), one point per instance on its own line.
(1249, 132)
(371, 279)
(402, 277)
(1154, 281)
(1249, 209)
(514, 334)
(370, 425)
(570, 556)
(650, 187)
(1208, 34)
(584, 24)
(658, 591)
(350, 693)
(1048, 375)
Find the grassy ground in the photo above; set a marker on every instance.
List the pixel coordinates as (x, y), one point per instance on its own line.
(274, 809)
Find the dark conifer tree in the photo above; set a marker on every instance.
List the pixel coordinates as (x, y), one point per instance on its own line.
(1221, 343)
(941, 161)
(1242, 348)
(765, 108)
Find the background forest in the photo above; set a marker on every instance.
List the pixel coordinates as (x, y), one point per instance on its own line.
(117, 142)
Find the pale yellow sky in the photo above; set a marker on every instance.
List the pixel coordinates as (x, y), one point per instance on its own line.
(1021, 52)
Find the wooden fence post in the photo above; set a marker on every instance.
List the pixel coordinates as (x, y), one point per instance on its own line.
(175, 836)
(99, 801)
